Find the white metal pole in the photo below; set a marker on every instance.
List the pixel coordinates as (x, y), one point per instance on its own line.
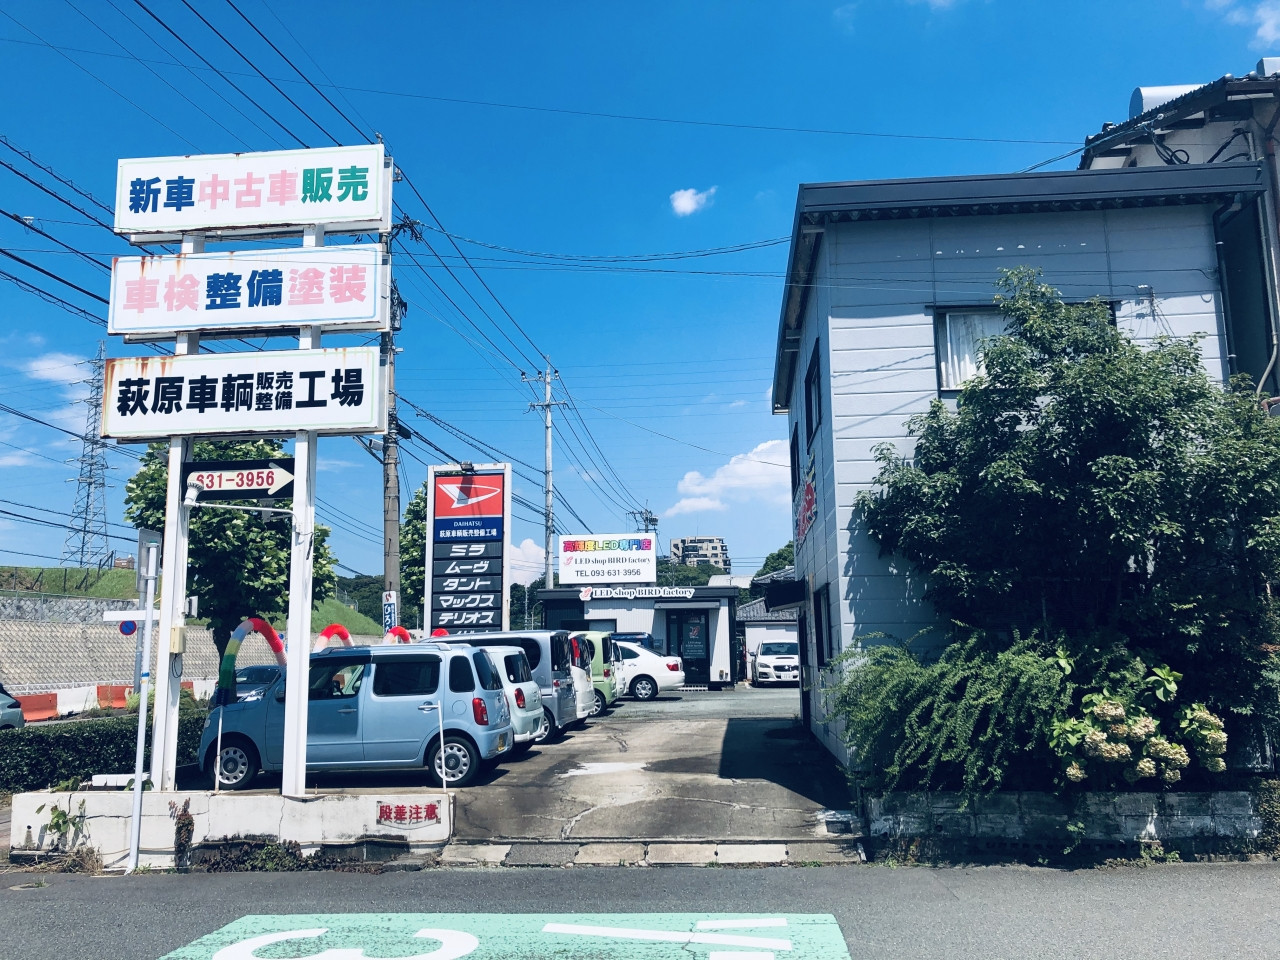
(548, 535)
(217, 754)
(135, 827)
(298, 651)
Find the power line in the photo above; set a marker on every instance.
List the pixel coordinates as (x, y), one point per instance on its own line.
(307, 79)
(79, 253)
(239, 54)
(225, 78)
(53, 276)
(65, 181)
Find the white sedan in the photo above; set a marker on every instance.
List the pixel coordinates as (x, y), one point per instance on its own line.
(645, 674)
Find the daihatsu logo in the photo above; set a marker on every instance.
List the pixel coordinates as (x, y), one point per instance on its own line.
(473, 493)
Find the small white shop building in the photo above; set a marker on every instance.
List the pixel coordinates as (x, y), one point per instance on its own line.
(693, 623)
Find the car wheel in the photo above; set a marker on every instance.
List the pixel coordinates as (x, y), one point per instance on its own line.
(238, 766)
(644, 688)
(549, 732)
(598, 705)
(461, 762)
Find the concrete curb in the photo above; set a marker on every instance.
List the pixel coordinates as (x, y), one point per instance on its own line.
(643, 853)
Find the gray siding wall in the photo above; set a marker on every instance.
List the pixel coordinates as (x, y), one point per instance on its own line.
(878, 285)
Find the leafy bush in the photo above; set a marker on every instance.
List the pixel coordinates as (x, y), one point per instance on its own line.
(973, 721)
(1105, 494)
(36, 756)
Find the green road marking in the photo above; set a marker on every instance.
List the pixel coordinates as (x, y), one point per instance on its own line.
(495, 936)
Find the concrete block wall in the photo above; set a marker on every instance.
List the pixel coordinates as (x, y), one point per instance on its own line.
(1042, 818)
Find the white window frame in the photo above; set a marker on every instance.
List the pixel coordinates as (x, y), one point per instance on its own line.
(953, 372)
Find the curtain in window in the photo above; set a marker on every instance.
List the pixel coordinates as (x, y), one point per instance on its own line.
(963, 332)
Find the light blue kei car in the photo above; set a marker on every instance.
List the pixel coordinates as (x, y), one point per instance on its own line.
(372, 708)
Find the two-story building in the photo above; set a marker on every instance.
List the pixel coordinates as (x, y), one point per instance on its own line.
(889, 288)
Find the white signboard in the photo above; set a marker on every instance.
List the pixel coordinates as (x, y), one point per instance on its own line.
(338, 391)
(238, 193)
(635, 593)
(608, 558)
(346, 286)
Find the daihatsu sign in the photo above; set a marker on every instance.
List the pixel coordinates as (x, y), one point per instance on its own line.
(348, 189)
(608, 558)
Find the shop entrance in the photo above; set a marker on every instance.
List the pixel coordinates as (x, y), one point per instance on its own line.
(688, 638)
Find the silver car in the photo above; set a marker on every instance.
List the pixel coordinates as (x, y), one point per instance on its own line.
(550, 655)
(372, 708)
(10, 712)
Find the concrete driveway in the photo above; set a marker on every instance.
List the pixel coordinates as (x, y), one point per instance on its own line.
(726, 766)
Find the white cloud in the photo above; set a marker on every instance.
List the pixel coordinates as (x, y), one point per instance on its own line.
(844, 15)
(332, 464)
(19, 458)
(70, 372)
(761, 476)
(1263, 17)
(526, 561)
(56, 368)
(686, 202)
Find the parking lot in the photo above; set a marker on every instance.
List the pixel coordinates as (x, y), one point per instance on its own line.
(728, 766)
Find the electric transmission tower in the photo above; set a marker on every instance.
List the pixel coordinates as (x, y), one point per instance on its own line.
(86, 544)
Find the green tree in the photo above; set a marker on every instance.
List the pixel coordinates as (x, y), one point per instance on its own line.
(239, 563)
(780, 559)
(1106, 496)
(413, 549)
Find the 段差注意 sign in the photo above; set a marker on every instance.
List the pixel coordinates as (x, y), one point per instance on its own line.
(239, 193)
(339, 391)
(340, 286)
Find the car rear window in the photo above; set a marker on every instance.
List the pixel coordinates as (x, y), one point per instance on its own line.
(517, 668)
(406, 676)
(606, 647)
(489, 677)
(561, 654)
(628, 653)
(532, 650)
(461, 679)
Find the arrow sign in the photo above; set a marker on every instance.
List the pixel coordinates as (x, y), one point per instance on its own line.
(242, 479)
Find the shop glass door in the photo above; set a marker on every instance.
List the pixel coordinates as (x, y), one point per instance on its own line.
(688, 639)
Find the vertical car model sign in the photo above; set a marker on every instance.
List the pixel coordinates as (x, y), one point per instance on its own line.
(468, 515)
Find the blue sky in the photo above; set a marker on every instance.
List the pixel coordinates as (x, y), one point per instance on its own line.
(593, 130)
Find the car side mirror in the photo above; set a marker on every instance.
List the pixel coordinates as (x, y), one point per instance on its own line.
(280, 695)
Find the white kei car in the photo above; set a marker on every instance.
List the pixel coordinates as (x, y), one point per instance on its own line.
(524, 697)
(645, 674)
(580, 669)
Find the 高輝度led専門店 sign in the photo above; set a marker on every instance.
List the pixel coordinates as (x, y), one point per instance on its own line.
(340, 286)
(238, 193)
(467, 519)
(608, 558)
(332, 391)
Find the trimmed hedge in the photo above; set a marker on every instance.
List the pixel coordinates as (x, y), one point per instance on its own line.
(41, 755)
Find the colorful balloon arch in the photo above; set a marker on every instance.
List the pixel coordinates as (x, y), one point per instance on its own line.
(397, 635)
(226, 691)
(328, 633)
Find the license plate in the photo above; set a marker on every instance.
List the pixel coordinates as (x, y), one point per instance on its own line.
(502, 742)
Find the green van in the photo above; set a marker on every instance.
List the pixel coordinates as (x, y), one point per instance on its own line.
(603, 672)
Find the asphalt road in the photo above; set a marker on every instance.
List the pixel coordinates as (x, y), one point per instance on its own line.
(1168, 912)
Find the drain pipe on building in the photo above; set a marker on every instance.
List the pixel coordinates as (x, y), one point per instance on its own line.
(1270, 223)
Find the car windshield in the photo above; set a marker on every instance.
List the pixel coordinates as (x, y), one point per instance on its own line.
(257, 674)
(779, 649)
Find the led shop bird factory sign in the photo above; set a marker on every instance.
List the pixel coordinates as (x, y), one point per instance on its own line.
(347, 189)
(346, 287)
(468, 515)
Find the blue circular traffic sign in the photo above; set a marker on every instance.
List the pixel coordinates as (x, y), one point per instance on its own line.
(128, 627)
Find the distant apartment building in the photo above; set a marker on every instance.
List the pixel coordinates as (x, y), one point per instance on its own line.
(700, 552)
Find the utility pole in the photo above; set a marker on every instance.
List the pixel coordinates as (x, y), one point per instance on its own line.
(646, 518)
(391, 479)
(548, 514)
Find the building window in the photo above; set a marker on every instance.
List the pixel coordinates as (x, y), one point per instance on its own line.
(795, 459)
(821, 624)
(958, 334)
(813, 394)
